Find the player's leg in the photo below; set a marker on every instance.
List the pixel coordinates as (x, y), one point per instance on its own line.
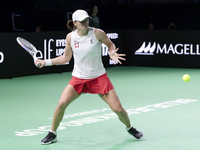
(69, 94)
(113, 101)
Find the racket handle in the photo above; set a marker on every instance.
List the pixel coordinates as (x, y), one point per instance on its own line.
(39, 65)
(35, 58)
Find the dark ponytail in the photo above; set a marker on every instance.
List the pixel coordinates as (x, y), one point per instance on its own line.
(70, 25)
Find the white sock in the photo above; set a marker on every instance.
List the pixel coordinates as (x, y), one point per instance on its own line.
(128, 128)
(54, 132)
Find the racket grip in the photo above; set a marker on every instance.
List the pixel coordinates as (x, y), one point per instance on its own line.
(39, 65)
(35, 58)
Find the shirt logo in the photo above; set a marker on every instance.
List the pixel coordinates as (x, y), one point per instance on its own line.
(91, 41)
(76, 44)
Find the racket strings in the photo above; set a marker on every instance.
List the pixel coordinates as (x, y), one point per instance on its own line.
(28, 47)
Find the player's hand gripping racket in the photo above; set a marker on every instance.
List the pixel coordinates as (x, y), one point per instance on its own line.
(29, 48)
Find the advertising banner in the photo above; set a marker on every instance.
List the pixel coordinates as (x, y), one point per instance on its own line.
(164, 48)
(154, 48)
(15, 61)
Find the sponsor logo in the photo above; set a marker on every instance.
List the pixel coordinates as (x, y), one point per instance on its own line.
(48, 50)
(112, 35)
(148, 50)
(177, 49)
(112, 62)
(1, 57)
(105, 50)
(60, 46)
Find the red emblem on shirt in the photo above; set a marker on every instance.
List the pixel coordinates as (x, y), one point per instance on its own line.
(76, 45)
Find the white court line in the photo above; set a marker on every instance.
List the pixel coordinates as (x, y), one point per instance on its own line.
(103, 117)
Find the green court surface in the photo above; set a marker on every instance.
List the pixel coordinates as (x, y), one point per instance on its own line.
(160, 104)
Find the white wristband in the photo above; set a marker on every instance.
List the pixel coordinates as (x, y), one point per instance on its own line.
(48, 62)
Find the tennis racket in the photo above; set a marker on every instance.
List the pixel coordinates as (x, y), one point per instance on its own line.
(29, 48)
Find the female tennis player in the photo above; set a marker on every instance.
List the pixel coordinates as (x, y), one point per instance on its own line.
(88, 75)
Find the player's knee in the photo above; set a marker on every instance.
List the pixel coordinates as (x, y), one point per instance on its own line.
(62, 105)
(119, 110)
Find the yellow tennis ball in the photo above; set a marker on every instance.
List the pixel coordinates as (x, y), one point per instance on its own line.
(186, 78)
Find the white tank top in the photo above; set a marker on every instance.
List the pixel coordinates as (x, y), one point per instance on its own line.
(87, 55)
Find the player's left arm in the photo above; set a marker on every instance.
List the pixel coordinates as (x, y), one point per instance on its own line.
(103, 38)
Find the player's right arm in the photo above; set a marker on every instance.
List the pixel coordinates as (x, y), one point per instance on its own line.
(65, 58)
